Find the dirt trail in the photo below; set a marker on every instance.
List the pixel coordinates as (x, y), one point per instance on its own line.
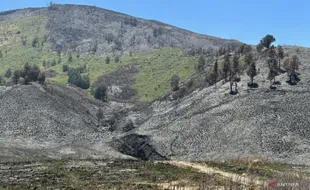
(245, 180)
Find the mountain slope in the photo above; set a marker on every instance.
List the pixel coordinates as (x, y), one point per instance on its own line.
(212, 124)
(206, 124)
(52, 122)
(48, 37)
(87, 26)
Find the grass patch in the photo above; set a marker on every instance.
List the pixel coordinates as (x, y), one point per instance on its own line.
(157, 68)
(263, 169)
(100, 174)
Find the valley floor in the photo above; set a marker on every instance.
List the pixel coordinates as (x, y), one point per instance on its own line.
(130, 174)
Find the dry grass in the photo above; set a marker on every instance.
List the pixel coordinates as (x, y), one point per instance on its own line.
(131, 175)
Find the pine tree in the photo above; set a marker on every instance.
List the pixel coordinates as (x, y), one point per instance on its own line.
(41, 78)
(273, 68)
(226, 66)
(174, 82)
(267, 41)
(249, 59)
(201, 64)
(291, 65)
(235, 70)
(107, 60)
(70, 59)
(272, 53)
(99, 115)
(215, 72)
(280, 54)
(251, 72)
(16, 76)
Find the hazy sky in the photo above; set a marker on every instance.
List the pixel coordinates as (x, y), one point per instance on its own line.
(245, 20)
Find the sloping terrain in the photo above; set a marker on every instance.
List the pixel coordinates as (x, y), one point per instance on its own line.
(112, 31)
(48, 37)
(212, 124)
(208, 124)
(53, 122)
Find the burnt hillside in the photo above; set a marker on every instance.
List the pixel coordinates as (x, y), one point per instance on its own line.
(89, 29)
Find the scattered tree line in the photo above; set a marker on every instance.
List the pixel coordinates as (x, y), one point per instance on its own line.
(29, 73)
(231, 68)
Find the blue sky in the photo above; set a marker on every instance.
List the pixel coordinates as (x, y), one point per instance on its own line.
(245, 20)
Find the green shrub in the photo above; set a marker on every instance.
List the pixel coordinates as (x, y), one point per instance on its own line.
(100, 92)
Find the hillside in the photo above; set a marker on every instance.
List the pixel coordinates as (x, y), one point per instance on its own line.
(259, 123)
(48, 37)
(199, 136)
(207, 124)
(52, 122)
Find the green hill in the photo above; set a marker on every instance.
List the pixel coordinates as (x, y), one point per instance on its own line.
(47, 37)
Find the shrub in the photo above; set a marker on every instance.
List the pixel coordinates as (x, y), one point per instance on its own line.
(16, 76)
(41, 78)
(117, 45)
(8, 73)
(94, 47)
(100, 92)
(70, 59)
(77, 79)
(99, 115)
(107, 60)
(174, 82)
(35, 42)
(85, 83)
(158, 31)
(179, 94)
(65, 68)
(34, 73)
(190, 83)
(116, 59)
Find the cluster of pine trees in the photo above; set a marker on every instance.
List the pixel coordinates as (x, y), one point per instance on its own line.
(230, 68)
(29, 73)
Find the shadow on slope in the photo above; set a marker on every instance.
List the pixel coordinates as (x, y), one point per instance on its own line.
(137, 146)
